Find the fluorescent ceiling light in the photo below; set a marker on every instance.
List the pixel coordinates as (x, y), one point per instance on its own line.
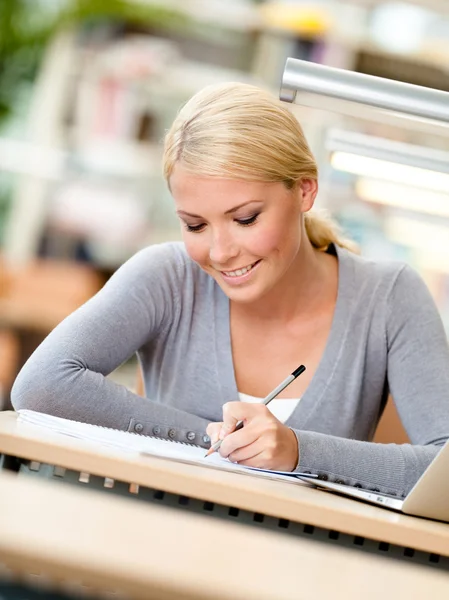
(388, 171)
(428, 242)
(403, 196)
(352, 142)
(418, 234)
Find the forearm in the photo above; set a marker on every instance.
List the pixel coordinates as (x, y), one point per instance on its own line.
(82, 395)
(387, 468)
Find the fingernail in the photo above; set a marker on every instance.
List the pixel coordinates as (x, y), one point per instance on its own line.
(222, 433)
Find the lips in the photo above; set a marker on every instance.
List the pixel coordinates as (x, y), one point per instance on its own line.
(241, 271)
(240, 276)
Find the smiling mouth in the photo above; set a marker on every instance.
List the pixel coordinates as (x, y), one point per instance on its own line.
(240, 272)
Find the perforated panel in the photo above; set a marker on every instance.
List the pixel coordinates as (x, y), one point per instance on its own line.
(234, 514)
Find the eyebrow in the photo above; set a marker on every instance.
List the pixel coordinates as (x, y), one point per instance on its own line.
(228, 212)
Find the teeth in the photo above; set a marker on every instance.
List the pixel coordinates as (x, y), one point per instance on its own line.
(239, 272)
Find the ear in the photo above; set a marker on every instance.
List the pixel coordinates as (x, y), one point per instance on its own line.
(307, 190)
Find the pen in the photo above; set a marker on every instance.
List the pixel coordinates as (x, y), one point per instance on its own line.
(287, 381)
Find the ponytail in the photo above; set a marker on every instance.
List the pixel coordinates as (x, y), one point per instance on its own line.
(323, 231)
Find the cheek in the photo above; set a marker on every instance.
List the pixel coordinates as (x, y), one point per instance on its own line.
(278, 237)
(196, 248)
(266, 243)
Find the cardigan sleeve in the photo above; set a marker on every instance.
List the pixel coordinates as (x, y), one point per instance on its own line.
(418, 378)
(66, 376)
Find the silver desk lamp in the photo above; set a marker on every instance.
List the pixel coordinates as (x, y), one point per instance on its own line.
(360, 95)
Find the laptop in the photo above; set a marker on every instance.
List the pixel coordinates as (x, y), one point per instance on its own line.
(429, 497)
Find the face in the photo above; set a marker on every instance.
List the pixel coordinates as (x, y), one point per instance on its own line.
(246, 235)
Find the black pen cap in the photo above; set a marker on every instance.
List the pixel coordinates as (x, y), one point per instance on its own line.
(298, 371)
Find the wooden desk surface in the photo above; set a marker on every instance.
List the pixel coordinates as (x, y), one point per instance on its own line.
(284, 500)
(146, 551)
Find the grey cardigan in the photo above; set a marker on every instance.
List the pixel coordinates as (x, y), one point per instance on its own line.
(386, 336)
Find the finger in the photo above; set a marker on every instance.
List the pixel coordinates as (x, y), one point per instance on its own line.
(246, 454)
(239, 439)
(233, 412)
(213, 431)
(257, 462)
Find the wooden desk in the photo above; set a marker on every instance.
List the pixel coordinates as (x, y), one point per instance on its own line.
(287, 501)
(143, 551)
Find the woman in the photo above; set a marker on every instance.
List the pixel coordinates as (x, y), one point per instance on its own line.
(259, 286)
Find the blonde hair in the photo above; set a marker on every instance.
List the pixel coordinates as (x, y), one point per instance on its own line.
(239, 131)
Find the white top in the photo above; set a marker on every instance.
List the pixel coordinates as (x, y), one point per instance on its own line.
(281, 408)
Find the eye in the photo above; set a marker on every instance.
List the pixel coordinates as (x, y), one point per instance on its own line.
(248, 221)
(194, 228)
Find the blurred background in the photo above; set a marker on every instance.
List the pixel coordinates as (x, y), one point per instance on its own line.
(88, 87)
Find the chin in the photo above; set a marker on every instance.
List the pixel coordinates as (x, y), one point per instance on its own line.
(242, 295)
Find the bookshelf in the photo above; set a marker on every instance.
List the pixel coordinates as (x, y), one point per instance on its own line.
(104, 105)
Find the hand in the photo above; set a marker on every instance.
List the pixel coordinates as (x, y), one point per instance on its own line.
(263, 442)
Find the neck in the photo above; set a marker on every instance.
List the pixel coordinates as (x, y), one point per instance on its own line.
(304, 288)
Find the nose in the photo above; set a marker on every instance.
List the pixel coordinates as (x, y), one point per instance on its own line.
(222, 248)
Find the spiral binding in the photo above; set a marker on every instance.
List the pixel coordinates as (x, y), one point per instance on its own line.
(45, 420)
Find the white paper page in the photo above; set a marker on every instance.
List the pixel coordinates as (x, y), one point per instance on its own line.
(131, 442)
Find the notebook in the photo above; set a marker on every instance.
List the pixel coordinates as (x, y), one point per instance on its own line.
(128, 442)
(428, 498)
